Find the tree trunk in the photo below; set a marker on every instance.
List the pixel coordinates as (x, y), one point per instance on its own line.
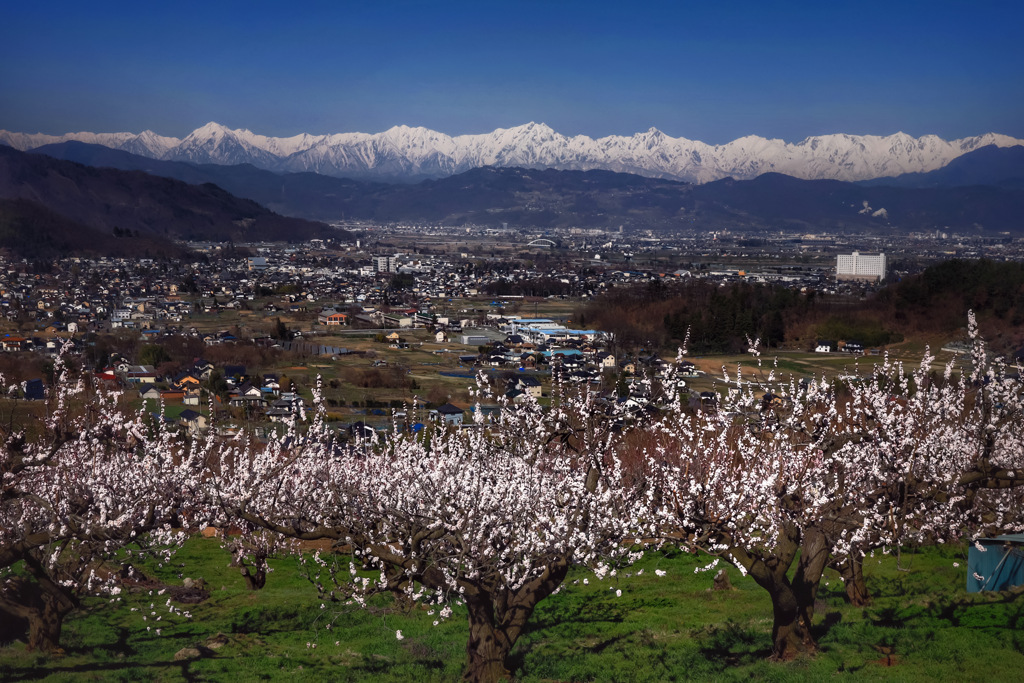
(254, 582)
(791, 632)
(43, 605)
(852, 571)
(45, 624)
(792, 601)
(488, 646)
(814, 557)
(497, 617)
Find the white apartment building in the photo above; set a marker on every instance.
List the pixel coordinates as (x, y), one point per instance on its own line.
(385, 264)
(857, 266)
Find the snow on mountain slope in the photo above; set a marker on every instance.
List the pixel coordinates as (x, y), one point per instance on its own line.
(216, 144)
(407, 151)
(147, 143)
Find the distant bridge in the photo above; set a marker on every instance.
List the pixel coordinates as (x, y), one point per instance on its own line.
(541, 242)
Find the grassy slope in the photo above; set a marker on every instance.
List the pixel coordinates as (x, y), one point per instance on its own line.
(661, 629)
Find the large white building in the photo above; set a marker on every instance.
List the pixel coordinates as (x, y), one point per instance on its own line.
(857, 266)
(385, 264)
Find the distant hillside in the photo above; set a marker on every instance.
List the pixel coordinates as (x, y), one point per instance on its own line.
(990, 165)
(549, 198)
(304, 195)
(598, 199)
(105, 198)
(940, 297)
(775, 200)
(30, 230)
(485, 195)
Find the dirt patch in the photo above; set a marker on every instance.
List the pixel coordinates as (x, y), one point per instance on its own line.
(322, 545)
(135, 581)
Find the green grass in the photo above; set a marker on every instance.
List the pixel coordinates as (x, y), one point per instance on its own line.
(921, 627)
(173, 411)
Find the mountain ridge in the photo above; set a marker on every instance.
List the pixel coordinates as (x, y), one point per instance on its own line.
(990, 165)
(596, 198)
(406, 153)
(103, 198)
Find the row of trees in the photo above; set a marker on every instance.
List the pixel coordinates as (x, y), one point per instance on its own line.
(715, 319)
(493, 517)
(719, 319)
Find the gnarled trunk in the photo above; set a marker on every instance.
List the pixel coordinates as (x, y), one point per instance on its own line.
(792, 600)
(791, 631)
(497, 617)
(815, 553)
(43, 604)
(488, 646)
(46, 623)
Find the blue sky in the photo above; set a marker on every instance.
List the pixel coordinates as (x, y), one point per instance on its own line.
(710, 71)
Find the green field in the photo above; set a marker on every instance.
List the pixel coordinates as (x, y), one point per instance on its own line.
(921, 627)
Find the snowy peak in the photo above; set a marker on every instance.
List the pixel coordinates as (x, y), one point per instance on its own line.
(217, 144)
(404, 151)
(210, 130)
(146, 143)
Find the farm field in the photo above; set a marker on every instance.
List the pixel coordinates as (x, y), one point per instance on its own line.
(376, 376)
(799, 365)
(921, 627)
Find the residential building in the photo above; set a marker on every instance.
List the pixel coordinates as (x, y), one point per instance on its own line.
(385, 264)
(857, 266)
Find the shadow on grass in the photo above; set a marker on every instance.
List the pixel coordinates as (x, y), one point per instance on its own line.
(820, 629)
(568, 615)
(425, 655)
(1018, 643)
(735, 644)
(573, 620)
(950, 610)
(104, 671)
(732, 644)
(613, 643)
(73, 644)
(269, 619)
(375, 666)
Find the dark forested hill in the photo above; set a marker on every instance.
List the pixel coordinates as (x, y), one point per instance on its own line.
(990, 165)
(30, 230)
(304, 195)
(105, 198)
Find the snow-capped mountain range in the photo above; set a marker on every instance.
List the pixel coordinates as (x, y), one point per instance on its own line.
(418, 152)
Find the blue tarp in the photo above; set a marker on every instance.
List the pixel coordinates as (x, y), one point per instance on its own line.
(995, 564)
